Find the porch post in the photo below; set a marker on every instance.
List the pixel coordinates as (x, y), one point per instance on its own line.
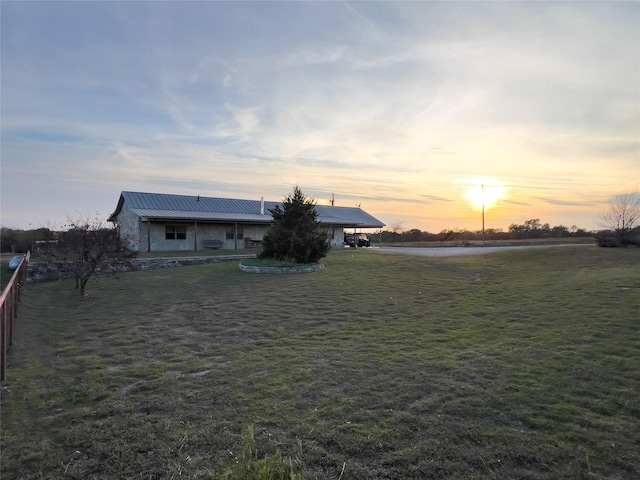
(148, 234)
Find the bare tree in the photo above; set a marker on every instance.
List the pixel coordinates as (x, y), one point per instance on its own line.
(622, 217)
(87, 248)
(396, 228)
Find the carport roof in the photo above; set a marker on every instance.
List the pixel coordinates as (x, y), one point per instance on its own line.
(186, 207)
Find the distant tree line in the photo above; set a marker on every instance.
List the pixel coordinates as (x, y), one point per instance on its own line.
(22, 241)
(530, 229)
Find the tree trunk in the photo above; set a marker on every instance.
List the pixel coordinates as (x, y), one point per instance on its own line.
(83, 284)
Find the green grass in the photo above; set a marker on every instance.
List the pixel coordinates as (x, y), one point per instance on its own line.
(250, 466)
(512, 365)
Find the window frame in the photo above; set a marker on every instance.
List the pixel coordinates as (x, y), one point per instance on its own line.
(175, 232)
(230, 233)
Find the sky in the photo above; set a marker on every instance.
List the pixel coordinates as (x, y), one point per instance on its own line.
(404, 108)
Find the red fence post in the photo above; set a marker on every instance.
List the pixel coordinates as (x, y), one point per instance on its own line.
(13, 307)
(3, 348)
(9, 313)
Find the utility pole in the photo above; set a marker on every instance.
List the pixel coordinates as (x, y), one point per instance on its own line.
(482, 212)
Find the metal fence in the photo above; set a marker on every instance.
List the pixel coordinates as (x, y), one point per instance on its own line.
(9, 311)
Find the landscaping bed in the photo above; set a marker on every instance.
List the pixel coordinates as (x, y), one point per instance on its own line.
(257, 265)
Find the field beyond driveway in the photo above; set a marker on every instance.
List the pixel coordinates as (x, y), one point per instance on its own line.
(522, 364)
(464, 251)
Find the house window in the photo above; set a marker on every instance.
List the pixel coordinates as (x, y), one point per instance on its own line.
(175, 232)
(231, 233)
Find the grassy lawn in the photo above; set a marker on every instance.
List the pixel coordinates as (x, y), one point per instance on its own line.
(512, 365)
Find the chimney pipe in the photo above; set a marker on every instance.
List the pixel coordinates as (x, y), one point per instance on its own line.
(261, 205)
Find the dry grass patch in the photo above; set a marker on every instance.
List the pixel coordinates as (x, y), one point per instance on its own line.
(513, 365)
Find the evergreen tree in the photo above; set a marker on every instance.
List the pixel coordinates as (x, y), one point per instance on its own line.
(295, 233)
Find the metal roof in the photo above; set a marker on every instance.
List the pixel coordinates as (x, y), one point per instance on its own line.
(187, 207)
(212, 216)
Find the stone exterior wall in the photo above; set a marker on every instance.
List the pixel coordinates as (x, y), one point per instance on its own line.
(336, 236)
(130, 227)
(136, 231)
(159, 243)
(198, 232)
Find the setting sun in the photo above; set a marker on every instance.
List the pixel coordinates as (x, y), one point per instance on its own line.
(485, 193)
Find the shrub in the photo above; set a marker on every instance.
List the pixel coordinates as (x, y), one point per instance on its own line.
(606, 239)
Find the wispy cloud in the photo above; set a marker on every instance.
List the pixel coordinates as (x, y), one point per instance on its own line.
(385, 104)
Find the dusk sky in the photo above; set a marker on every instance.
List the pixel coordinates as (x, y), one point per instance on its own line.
(404, 108)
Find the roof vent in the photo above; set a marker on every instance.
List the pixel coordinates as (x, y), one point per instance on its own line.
(261, 205)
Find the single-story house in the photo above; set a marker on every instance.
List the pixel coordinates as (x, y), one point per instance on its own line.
(154, 222)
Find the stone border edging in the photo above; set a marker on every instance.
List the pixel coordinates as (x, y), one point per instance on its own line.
(42, 272)
(299, 269)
